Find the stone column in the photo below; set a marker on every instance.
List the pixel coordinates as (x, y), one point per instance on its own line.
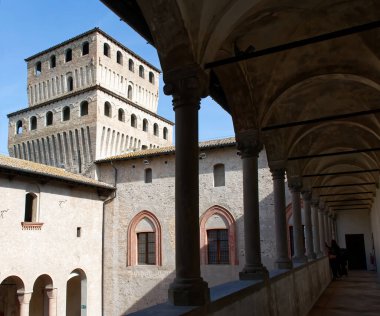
(282, 261)
(322, 231)
(24, 300)
(187, 87)
(326, 228)
(249, 147)
(52, 296)
(306, 196)
(315, 228)
(299, 249)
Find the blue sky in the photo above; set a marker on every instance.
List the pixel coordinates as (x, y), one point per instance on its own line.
(27, 27)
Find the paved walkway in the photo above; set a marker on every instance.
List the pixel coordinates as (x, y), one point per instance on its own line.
(357, 294)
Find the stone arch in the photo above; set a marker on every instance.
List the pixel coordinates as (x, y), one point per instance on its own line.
(132, 237)
(39, 303)
(76, 293)
(230, 224)
(12, 289)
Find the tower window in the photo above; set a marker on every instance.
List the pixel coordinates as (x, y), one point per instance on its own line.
(219, 175)
(66, 113)
(121, 115)
(19, 127)
(38, 68)
(141, 71)
(53, 61)
(68, 55)
(131, 65)
(119, 57)
(107, 109)
(70, 83)
(145, 125)
(30, 207)
(217, 247)
(85, 48)
(148, 175)
(49, 118)
(130, 92)
(79, 231)
(133, 120)
(84, 108)
(151, 77)
(33, 123)
(155, 129)
(165, 133)
(106, 50)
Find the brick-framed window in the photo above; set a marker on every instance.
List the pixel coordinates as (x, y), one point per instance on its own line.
(146, 248)
(218, 246)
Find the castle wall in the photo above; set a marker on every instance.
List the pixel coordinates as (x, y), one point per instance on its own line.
(52, 250)
(131, 287)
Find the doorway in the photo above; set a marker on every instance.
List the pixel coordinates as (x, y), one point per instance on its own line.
(356, 252)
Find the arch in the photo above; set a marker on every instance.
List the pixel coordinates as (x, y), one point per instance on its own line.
(145, 125)
(106, 50)
(131, 65)
(148, 175)
(121, 115)
(133, 120)
(49, 118)
(151, 77)
(141, 71)
(40, 300)
(38, 68)
(119, 57)
(76, 293)
(66, 113)
(165, 133)
(155, 129)
(53, 61)
(132, 252)
(68, 55)
(85, 48)
(130, 92)
(107, 109)
(19, 127)
(31, 207)
(10, 287)
(83, 108)
(33, 123)
(226, 221)
(70, 83)
(219, 175)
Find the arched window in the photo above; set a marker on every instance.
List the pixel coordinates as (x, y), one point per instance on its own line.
(133, 120)
(218, 237)
(85, 48)
(141, 71)
(165, 133)
(151, 77)
(119, 57)
(66, 113)
(49, 118)
(38, 68)
(148, 175)
(145, 125)
(144, 240)
(219, 175)
(70, 83)
(131, 65)
(53, 61)
(19, 127)
(68, 55)
(30, 208)
(84, 108)
(33, 123)
(130, 92)
(121, 115)
(107, 109)
(106, 50)
(155, 129)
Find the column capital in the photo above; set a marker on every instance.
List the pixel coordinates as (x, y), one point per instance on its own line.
(295, 184)
(315, 203)
(249, 143)
(24, 298)
(306, 196)
(278, 173)
(187, 85)
(51, 293)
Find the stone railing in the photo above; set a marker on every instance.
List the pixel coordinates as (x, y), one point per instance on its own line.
(287, 292)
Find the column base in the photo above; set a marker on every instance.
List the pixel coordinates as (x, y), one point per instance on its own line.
(189, 292)
(300, 259)
(320, 254)
(285, 263)
(312, 256)
(254, 273)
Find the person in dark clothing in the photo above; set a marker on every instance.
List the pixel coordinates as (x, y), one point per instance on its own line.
(334, 258)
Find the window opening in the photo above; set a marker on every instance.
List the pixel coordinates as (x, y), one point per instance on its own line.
(30, 207)
(38, 68)
(53, 61)
(49, 118)
(131, 65)
(69, 55)
(70, 84)
(79, 231)
(148, 175)
(219, 175)
(155, 129)
(121, 115)
(146, 244)
(33, 123)
(130, 92)
(165, 133)
(145, 125)
(119, 57)
(66, 113)
(217, 246)
(85, 48)
(151, 77)
(84, 108)
(106, 50)
(19, 127)
(141, 71)
(107, 109)
(133, 120)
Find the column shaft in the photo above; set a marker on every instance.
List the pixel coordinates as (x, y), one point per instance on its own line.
(315, 228)
(308, 226)
(322, 232)
(24, 300)
(52, 296)
(299, 249)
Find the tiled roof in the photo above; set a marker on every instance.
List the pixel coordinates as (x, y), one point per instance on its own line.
(224, 142)
(36, 169)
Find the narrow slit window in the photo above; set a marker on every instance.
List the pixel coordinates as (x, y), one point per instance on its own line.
(151, 77)
(70, 84)
(30, 208)
(84, 108)
(165, 133)
(107, 109)
(49, 118)
(141, 71)
(68, 55)
(106, 50)
(119, 57)
(85, 48)
(133, 120)
(66, 113)
(155, 129)
(121, 115)
(19, 127)
(38, 68)
(33, 123)
(131, 65)
(53, 61)
(145, 125)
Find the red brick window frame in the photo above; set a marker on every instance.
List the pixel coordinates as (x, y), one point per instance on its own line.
(133, 230)
(226, 221)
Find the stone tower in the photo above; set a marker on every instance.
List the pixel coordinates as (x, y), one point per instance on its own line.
(89, 97)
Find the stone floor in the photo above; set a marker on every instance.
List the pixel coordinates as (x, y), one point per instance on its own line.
(357, 294)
